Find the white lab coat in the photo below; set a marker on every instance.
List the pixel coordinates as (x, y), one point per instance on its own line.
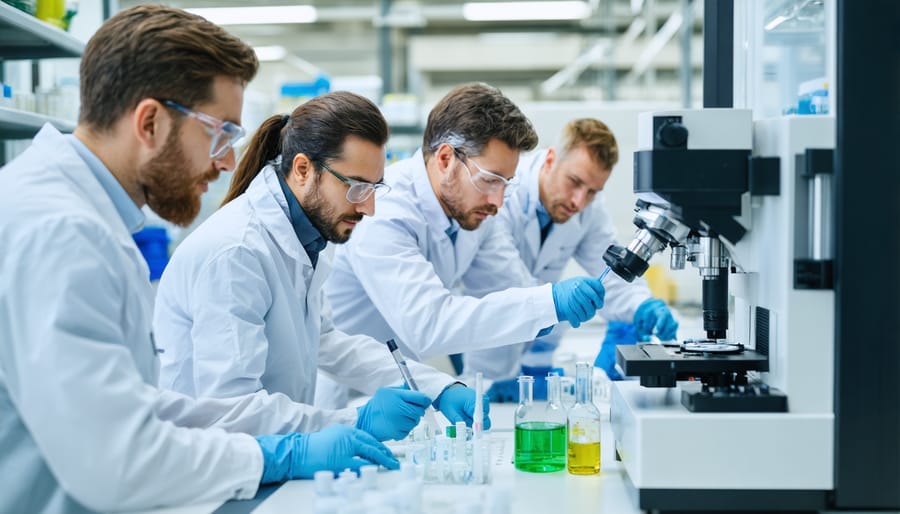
(82, 425)
(585, 237)
(393, 279)
(240, 309)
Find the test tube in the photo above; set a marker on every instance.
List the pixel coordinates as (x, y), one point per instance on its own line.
(477, 427)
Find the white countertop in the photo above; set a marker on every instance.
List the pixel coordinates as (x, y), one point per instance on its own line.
(530, 492)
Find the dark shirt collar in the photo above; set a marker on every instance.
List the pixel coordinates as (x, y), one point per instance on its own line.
(309, 236)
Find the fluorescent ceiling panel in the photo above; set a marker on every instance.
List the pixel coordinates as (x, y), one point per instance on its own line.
(258, 15)
(518, 11)
(270, 53)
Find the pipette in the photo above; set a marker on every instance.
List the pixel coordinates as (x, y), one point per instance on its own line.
(430, 417)
(603, 275)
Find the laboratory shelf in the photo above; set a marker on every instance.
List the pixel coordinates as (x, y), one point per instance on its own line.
(16, 124)
(25, 37)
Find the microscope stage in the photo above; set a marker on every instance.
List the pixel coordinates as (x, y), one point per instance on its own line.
(661, 360)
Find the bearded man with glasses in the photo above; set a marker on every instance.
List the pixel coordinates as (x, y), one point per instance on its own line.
(398, 277)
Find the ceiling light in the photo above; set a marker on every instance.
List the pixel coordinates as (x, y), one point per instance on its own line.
(270, 53)
(258, 15)
(517, 11)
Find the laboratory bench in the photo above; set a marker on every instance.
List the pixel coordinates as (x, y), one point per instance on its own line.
(530, 492)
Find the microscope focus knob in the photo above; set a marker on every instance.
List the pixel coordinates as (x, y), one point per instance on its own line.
(672, 135)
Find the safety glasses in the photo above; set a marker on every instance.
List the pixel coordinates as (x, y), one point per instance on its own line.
(224, 134)
(358, 191)
(486, 182)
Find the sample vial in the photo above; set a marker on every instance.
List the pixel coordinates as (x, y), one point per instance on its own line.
(584, 425)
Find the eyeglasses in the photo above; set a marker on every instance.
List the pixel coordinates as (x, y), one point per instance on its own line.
(224, 134)
(359, 191)
(486, 182)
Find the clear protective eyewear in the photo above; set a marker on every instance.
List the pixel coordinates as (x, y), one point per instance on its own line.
(224, 134)
(485, 182)
(358, 191)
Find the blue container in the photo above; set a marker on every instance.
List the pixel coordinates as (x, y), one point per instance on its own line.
(153, 242)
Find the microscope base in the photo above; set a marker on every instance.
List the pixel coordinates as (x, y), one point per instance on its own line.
(681, 460)
(747, 398)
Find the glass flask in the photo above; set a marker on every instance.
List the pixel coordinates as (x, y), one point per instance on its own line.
(584, 425)
(555, 411)
(540, 443)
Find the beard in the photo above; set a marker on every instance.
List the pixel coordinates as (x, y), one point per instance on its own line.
(170, 189)
(452, 200)
(558, 215)
(325, 217)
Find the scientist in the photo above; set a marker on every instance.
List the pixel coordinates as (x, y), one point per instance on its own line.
(556, 214)
(240, 306)
(397, 275)
(82, 425)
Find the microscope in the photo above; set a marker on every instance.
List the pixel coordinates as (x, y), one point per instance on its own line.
(742, 418)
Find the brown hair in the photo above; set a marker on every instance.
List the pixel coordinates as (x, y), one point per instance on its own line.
(472, 114)
(155, 51)
(317, 129)
(593, 134)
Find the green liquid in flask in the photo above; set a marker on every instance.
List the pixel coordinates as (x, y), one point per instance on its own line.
(540, 446)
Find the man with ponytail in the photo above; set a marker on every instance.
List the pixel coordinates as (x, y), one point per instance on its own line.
(240, 307)
(82, 425)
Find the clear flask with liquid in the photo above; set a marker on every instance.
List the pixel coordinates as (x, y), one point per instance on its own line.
(540, 443)
(583, 425)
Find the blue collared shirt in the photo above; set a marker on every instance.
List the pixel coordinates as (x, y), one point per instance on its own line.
(129, 212)
(309, 236)
(545, 222)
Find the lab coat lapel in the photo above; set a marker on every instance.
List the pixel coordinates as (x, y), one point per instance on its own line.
(437, 221)
(50, 142)
(268, 200)
(530, 198)
(557, 240)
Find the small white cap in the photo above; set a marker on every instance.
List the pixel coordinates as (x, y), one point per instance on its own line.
(323, 482)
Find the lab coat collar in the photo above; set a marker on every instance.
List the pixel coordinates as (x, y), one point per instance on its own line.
(267, 199)
(130, 213)
(529, 196)
(51, 142)
(428, 201)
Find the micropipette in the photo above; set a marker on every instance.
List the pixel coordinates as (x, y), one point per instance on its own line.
(430, 417)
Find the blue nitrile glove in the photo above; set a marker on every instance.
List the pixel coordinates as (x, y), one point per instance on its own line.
(286, 457)
(577, 299)
(392, 413)
(653, 314)
(457, 403)
(504, 391)
(617, 333)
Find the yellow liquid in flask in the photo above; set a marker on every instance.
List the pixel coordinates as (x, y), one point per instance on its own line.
(584, 458)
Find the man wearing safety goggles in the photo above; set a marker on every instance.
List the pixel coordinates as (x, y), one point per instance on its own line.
(558, 214)
(397, 276)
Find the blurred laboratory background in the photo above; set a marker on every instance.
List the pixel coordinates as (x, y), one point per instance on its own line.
(608, 59)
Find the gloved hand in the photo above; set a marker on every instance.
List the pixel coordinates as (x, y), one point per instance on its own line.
(504, 391)
(286, 457)
(617, 333)
(654, 315)
(392, 413)
(457, 402)
(578, 299)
